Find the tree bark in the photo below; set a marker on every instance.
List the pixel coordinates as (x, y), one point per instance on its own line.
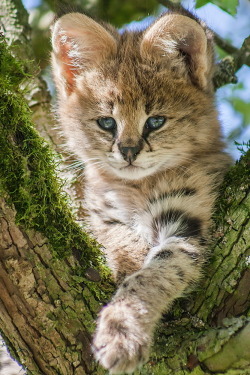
(46, 314)
(52, 277)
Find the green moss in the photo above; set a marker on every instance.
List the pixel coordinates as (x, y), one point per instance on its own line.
(27, 172)
(234, 189)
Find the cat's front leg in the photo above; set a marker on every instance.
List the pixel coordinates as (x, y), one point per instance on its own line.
(125, 326)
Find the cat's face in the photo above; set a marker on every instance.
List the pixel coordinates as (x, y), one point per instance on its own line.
(133, 114)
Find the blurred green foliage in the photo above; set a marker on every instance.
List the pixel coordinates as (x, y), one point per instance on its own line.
(229, 6)
(242, 107)
(120, 12)
(116, 12)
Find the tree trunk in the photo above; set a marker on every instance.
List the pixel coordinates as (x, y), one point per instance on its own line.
(48, 296)
(53, 280)
(46, 313)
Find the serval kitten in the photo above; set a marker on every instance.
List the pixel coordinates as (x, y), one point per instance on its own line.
(138, 109)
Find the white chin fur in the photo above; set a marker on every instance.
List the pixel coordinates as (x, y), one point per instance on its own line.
(133, 173)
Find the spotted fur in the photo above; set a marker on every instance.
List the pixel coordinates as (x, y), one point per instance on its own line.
(149, 193)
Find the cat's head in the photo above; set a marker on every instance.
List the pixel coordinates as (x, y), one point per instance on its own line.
(132, 104)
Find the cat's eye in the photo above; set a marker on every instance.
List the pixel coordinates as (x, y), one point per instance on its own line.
(107, 123)
(155, 122)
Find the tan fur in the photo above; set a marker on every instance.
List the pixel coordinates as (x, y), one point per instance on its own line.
(152, 214)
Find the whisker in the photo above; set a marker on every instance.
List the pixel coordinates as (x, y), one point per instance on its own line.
(99, 164)
(79, 164)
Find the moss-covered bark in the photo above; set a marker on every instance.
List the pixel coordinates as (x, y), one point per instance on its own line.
(49, 299)
(47, 305)
(27, 170)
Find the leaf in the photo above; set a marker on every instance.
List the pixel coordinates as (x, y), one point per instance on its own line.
(201, 3)
(242, 107)
(243, 147)
(229, 6)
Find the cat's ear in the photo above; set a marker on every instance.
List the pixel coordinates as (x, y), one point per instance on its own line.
(78, 43)
(185, 42)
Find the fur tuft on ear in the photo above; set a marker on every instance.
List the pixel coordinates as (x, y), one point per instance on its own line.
(184, 40)
(78, 43)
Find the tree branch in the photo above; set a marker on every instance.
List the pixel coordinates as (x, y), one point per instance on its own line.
(43, 287)
(228, 66)
(223, 44)
(171, 5)
(242, 56)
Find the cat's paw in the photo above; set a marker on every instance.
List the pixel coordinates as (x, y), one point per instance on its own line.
(120, 344)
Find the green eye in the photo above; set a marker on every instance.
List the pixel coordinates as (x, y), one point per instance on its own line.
(107, 123)
(155, 122)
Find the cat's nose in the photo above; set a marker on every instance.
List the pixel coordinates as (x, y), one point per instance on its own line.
(129, 153)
